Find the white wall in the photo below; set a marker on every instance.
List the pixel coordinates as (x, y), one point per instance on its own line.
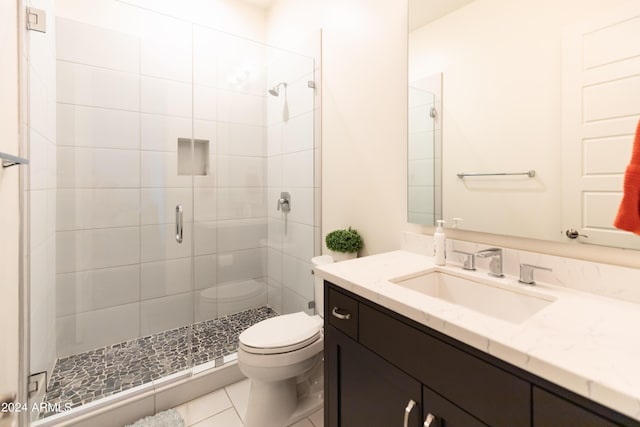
(231, 16)
(364, 110)
(9, 200)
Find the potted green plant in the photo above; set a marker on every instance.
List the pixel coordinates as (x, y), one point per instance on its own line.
(344, 244)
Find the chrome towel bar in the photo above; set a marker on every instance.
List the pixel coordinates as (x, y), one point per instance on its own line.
(530, 174)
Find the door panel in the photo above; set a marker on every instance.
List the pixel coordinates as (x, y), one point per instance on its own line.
(376, 391)
(600, 109)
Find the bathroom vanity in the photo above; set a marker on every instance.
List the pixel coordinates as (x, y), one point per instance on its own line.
(387, 345)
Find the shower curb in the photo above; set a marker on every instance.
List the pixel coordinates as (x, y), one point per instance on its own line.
(131, 405)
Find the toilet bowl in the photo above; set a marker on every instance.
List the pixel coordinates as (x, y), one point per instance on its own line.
(282, 356)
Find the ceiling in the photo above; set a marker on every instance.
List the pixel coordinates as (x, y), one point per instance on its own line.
(264, 4)
(421, 12)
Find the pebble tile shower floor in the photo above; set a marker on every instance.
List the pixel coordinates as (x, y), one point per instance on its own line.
(98, 373)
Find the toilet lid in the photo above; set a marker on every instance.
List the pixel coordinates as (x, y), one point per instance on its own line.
(281, 334)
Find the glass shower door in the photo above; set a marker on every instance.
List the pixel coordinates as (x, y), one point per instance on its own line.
(122, 162)
(264, 146)
(229, 88)
(170, 158)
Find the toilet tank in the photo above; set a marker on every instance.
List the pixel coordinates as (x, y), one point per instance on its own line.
(318, 283)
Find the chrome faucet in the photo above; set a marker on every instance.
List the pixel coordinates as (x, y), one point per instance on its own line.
(469, 261)
(526, 273)
(495, 266)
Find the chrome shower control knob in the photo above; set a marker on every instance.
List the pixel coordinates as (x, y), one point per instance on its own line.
(284, 202)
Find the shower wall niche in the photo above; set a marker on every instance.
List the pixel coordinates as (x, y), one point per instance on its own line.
(193, 157)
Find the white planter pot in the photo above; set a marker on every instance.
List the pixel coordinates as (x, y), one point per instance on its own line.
(343, 256)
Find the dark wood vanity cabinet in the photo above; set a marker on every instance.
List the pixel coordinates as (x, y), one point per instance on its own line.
(550, 410)
(377, 361)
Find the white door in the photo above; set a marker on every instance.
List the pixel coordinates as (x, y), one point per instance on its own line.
(601, 107)
(9, 210)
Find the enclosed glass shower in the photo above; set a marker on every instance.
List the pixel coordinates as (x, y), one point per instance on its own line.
(159, 156)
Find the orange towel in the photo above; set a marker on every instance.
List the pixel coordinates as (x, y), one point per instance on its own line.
(628, 217)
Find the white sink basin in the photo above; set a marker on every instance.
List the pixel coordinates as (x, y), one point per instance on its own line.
(506, 304)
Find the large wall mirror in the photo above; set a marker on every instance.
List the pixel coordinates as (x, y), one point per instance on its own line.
(540, 101)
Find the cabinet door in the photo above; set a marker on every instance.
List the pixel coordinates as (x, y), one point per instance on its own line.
(363, 390)
(550, 410)
(445, 413)
(491, 394)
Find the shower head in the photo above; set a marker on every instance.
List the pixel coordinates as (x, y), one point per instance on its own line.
(275, 91)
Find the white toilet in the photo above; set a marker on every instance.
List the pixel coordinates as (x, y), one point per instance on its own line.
(282, 357)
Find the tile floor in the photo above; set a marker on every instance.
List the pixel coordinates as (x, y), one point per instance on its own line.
(226, 407)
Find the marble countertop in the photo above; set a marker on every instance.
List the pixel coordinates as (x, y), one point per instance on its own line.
(586, 343)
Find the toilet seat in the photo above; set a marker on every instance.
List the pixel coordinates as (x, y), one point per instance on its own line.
(282, 334)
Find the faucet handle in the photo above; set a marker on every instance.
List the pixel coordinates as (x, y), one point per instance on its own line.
(526, 273)
(469, 261)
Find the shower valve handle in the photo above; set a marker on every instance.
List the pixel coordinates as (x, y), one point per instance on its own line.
(284, 202)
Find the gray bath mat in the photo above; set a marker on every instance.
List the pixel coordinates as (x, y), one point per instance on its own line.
(169, 418)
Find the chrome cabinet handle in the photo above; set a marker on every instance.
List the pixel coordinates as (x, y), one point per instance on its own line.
(342, 316)
(407, 411)
(430, 418)
(179, 215)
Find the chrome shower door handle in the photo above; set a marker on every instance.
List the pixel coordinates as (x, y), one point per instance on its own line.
(179, 215)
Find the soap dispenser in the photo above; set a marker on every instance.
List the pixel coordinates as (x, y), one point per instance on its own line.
(439, 244)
